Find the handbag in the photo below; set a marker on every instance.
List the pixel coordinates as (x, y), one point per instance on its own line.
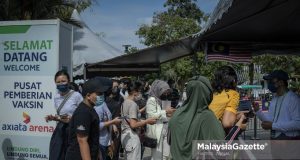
(149, 142)
(59, 138)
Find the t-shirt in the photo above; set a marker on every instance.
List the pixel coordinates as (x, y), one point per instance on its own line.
(104, 116)
(84, 121)
(113, 106)
(70, 105)
(226, 100)
(129, 109)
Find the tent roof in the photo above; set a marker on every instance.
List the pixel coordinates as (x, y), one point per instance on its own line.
(254, 20)
(144, 61)
(266, 24)
(89, 48)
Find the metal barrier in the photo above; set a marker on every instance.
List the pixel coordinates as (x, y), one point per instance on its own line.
(255, 131)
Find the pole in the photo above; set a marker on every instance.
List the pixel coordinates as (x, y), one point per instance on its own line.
(251, 76)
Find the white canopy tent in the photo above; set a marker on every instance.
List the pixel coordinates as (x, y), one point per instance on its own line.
(88, 48)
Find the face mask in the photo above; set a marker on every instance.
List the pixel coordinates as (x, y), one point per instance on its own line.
(139, 97)
(100, 100)
(272, 87)
(163, 97)
(115, 91)
(62, 88)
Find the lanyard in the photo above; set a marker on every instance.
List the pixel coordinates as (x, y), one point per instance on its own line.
(275, 118)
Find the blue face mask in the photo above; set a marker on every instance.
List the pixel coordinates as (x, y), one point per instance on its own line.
(272, 87)
(62, 88)
(100, 100)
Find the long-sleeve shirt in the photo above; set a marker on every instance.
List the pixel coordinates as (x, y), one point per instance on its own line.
(284, 112)
(104, 115)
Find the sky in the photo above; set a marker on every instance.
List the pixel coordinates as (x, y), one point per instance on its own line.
(118, 20)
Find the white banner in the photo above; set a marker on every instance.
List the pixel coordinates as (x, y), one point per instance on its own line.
(28, 63)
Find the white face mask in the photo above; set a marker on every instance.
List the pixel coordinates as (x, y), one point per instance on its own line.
(138, 97)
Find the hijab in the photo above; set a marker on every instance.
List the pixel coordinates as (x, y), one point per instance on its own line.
(158, 87)
(194, 121)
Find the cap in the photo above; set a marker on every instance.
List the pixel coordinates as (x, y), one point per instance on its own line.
(91, 86)
(106, 82)
(279, 74)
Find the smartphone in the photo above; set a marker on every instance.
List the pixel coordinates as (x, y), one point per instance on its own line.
(64, 116)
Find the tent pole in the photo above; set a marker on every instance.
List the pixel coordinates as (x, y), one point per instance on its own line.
(251, 76)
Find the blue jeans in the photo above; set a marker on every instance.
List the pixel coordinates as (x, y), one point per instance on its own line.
(103, 150)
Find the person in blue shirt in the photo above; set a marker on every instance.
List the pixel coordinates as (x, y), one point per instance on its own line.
(283, 118)
(107, 125)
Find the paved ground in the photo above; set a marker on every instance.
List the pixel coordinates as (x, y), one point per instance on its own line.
(247, 135)
(147, 154)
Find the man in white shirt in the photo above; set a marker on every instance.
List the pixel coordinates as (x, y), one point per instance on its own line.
(283, 118)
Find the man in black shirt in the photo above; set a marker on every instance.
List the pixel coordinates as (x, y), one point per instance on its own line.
(84, 125)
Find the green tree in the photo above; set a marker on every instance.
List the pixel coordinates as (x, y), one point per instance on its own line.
(166, 28)
(290, 64)
(182, 18)
(40, 9)
(185, 9)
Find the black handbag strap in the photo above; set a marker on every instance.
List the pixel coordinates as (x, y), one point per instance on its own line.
(122, 113)
(125, 118)
(64, 101)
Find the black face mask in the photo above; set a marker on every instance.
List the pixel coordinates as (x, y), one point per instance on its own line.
(115, 91)
(164, 97)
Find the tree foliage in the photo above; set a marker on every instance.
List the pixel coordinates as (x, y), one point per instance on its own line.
(182, 18)
(290, 64)
(166, 28)
(40, 9)
(185, 9)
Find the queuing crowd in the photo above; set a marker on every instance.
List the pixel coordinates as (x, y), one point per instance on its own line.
(106, 117)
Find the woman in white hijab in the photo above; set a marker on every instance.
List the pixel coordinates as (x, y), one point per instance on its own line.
(158, 94)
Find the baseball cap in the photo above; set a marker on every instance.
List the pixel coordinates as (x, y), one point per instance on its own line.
(91, 86)
(279, 74)
(106, 82)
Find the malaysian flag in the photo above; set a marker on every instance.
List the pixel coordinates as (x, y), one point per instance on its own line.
(235, 53)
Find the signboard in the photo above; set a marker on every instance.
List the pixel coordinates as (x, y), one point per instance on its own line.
(29, 59)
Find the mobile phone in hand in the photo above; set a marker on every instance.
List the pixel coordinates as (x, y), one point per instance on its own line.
(63, 116)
